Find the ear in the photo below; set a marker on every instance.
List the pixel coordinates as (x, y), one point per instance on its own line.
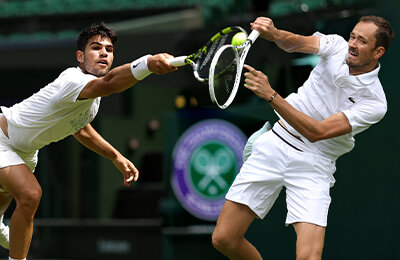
(80, 56)
(379, 51)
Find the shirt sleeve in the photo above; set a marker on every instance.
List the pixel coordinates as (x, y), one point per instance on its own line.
(71, 83)
(330, 44)
(364, 114)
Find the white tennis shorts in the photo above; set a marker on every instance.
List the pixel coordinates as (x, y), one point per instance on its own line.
(9, 156)
(280, 160)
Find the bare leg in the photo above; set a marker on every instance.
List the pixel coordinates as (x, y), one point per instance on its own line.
(20, 182)
(228, 236)
(310, 241)
(5, 200)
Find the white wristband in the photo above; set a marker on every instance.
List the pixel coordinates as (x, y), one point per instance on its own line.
(139, 68)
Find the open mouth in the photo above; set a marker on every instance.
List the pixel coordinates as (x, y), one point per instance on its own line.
(353, 53)
(102, 62)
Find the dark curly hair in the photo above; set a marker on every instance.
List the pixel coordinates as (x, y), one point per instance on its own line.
(95, 29)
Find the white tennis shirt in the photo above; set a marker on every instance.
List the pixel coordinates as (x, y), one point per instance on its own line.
(330, 89)
(51, 114)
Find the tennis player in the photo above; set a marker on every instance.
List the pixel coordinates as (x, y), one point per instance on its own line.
(341, 98)
(62, 108)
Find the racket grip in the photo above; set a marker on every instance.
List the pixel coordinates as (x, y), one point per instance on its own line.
(253, 35)
(178, 61)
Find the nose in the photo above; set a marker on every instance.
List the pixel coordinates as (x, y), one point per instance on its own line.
(103, 52)
(352, 43)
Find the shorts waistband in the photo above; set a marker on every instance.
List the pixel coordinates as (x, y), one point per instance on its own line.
(294, 141)
(294, 147)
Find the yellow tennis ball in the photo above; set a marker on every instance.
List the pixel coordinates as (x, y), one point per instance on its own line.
(239, 38)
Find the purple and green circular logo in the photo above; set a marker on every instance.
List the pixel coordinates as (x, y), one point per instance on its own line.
(206, 160)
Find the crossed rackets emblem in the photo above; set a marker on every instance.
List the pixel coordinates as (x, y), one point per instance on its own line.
(212, 170)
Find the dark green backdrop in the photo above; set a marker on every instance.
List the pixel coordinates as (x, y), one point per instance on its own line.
(84, 190)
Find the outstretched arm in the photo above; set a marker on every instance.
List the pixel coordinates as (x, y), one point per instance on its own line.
(285, 40)
(314, 130)
(90, 138)
(121, 78)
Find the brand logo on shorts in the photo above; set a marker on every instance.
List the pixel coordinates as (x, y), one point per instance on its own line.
(206, 160)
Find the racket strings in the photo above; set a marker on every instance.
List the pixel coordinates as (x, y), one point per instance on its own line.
(204, 61)
(225, 75)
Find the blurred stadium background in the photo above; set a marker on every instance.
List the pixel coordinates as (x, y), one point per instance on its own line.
(86, 213)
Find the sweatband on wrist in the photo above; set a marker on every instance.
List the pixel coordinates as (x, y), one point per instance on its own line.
(139, 68)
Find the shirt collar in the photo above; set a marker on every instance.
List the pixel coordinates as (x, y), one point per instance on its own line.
(369, 77)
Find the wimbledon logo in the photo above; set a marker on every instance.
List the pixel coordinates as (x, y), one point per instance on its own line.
(206, 160)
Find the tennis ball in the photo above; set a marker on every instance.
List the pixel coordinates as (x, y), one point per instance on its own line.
(239, 38)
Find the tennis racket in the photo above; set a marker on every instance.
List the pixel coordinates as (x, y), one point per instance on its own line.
(201, 59)
(226, 69)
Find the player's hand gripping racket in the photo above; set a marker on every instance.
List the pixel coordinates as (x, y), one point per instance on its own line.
(201, 59)
(226, 70)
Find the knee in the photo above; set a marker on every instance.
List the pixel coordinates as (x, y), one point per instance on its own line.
(222, 243)
(29, 199)
(308, 254)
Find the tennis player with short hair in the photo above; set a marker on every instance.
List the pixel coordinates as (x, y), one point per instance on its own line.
(341, 98)
(62, 108)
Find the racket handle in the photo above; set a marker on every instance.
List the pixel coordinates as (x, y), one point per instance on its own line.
(178, 61)
(253, 36)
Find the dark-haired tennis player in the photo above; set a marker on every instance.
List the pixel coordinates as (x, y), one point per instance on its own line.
(62, 108)
(341, 98)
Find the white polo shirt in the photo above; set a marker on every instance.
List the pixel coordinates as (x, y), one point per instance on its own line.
(51, 114)
(331, 89)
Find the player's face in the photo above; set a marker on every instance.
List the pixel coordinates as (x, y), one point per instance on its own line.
(363, 56)
(97, 57)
